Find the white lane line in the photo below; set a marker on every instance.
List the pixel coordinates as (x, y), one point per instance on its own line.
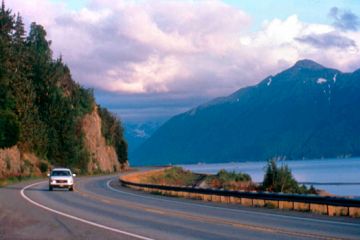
(77, 218)
(233, 210)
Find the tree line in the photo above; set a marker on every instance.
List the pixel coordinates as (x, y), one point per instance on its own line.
(41, 107)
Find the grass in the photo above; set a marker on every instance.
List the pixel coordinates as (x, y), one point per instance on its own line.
(175, 176)
(17, 179)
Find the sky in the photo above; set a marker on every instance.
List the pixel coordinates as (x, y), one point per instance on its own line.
(149, 60)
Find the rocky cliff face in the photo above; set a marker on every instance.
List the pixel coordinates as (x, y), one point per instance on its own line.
(13, 162)
(103, 157)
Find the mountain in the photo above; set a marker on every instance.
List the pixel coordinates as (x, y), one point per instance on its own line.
(46, 118)
(138, 133)
(307, 111)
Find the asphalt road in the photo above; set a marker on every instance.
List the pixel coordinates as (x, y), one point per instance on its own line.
(100, 208)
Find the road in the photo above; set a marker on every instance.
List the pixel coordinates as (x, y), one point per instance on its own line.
(100, 208)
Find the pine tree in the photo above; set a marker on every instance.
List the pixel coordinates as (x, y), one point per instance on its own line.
(9, 126)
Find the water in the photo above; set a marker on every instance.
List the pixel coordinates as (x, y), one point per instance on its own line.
(336, 176)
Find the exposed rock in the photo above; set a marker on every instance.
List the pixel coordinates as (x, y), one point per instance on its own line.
(103, 157)
(15, 163)
(10, 162)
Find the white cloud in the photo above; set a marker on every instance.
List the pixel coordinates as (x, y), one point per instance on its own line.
(194, 47)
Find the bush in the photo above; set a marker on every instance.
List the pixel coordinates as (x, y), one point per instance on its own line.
(225, 176)
(231, 181)
(43, 167)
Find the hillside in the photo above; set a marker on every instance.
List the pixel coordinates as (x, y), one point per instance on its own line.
(47, 119)
(307, 111)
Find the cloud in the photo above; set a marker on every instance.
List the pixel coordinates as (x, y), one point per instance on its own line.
(344, 20)
(328, 40)
(172, 51)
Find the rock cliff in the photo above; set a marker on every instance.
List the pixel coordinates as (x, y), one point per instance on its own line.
(103, 157)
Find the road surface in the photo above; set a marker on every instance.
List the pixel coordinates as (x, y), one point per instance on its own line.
(100, 208)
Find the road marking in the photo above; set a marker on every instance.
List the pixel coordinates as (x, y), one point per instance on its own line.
(232, 210)
(77, 218)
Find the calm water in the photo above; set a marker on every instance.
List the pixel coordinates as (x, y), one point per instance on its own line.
(337, 176)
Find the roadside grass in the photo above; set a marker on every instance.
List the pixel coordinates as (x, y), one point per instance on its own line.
(175, 176)
(16, 179)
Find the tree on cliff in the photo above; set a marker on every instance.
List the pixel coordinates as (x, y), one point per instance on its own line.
(9, 126)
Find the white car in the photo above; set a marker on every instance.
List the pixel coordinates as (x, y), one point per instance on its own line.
(61, 178)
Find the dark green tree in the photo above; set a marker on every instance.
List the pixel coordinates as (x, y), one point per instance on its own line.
(9, 129)
(9, 126)
(280, 179)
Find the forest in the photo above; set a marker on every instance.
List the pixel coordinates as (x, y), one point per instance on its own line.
(41, 106)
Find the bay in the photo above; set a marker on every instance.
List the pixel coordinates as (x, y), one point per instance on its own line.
(336, 176)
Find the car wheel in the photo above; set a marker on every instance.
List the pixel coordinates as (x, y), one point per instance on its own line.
(50, 188)
(71, 188)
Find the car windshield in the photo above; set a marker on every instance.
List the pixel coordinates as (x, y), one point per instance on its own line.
(60, 173)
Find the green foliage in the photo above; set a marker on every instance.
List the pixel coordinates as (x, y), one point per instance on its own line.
(225, 176)
(43, 167)
(114, 133)
(41, 107)
(280, 179)
(9, 129)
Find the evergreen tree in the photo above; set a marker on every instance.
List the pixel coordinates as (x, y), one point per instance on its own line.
(9, 126)
(280, 179)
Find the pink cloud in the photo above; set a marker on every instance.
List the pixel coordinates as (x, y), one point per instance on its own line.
(194, 47)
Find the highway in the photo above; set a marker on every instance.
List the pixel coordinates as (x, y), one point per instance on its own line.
(100, 208)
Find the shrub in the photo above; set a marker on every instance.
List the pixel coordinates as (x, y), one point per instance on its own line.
(43, 167)
(231, 181)
(225, 176)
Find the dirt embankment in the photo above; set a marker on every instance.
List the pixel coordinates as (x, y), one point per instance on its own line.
(13, 162)
(103, 158)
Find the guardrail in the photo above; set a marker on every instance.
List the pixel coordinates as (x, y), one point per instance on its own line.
(332, 206)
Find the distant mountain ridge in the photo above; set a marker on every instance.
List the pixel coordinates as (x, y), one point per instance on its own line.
(306, 111)
(137, 133)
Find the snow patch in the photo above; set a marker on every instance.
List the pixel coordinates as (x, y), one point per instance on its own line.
(140, 133)
(334, 78)
(193, 112)
(269, 82)
(321, 81)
